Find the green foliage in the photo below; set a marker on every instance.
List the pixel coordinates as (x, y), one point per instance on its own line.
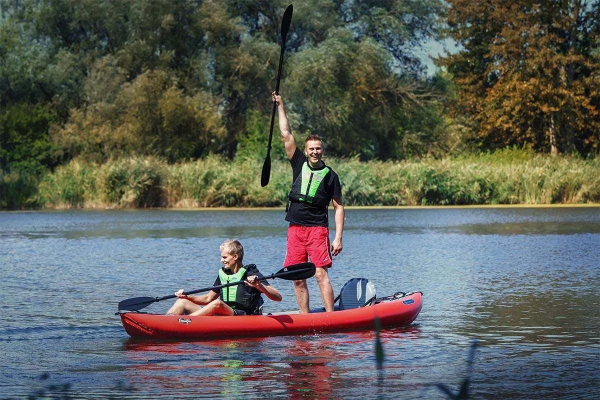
(349, 92)
(253, 143)
(18, 190)
(513, 176)
(133, 183)
(527, 72)
(180, 80)
(127, 183)
(150, 115)
(24, 143)
(215, 182)
(71, 186)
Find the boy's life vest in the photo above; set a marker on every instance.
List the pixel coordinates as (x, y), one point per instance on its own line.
(240, 297)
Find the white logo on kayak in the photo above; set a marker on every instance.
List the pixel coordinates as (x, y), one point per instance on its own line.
(358, 290)
(184, 320)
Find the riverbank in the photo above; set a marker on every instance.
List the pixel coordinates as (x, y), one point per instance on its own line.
(503, 178)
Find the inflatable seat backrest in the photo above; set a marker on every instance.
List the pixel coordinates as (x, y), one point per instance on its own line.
(357, 292)
(259, 307)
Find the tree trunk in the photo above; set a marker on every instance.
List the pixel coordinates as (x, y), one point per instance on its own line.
(552, 136)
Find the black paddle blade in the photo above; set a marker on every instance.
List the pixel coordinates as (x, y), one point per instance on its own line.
(136, 303)
(285, 23)
(266, 171)
(297, 272)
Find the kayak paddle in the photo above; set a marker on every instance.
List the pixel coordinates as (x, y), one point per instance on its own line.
(291, 273)
(285, 26)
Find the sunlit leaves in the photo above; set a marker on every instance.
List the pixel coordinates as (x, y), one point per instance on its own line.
(150, 115)
(348, 91)
(182, 79)
(527, 71)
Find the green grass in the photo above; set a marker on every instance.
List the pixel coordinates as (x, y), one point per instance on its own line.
(505, 177)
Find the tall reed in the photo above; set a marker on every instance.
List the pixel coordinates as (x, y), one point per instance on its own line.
(18, 190)
(70, 186)
(503, 178)
(507, 177)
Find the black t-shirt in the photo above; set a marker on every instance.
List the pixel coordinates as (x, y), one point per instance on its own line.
(305, 214)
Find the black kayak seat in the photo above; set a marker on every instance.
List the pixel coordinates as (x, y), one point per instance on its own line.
(357, 292)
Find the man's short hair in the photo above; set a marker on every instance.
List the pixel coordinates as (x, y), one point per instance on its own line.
(313, 136)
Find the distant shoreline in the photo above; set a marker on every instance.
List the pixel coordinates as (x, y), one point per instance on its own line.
(507, 179)
(281, 209)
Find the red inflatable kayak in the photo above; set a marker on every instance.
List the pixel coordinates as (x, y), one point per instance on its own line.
(397, 310)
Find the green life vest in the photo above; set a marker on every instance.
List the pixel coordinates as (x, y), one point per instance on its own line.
(229, 294)
(240, 297)
(309, 186)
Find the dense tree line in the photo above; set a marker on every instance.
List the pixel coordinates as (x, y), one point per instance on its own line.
(528, 72)
(183, 79)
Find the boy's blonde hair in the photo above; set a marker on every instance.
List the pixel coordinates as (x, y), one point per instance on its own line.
(233, 247)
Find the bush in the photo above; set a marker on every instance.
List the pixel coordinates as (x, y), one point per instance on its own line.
(508, 177)
(18, 190)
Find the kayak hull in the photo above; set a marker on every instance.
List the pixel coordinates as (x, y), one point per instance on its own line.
(395, 312)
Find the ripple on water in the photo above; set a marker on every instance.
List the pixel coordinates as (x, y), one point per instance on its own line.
(522, 282)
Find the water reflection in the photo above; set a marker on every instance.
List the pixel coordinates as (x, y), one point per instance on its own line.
(306, 367)
(528, 228)
(207, 368)
(295, 367)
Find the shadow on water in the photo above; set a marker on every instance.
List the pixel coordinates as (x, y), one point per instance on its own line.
(463, 391)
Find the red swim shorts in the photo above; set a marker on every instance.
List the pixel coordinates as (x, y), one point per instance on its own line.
(308, 242)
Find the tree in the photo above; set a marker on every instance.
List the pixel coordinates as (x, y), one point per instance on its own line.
(150, 115)
(528, 72)
(356, 77)
(183, 79)
(347, 91)
(24, 143)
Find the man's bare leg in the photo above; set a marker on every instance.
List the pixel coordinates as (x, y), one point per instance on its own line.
(302, 298)
(326, 289)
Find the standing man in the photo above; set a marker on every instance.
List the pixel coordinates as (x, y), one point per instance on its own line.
(314, 186)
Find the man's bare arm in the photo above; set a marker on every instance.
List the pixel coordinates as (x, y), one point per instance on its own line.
(336, 245)
(284, 128)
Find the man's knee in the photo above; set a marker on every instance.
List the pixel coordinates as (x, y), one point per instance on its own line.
(301, 284)
(322, 276)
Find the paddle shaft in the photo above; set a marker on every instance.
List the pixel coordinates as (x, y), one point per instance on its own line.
(276, 92)
(206, 289)
(285, 25)
(292, 272)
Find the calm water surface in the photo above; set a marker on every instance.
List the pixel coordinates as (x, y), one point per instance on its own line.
(522, 282)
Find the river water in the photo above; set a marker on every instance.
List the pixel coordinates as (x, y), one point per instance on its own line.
(519, 287)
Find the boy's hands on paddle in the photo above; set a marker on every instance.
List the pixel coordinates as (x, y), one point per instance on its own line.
(253, 281)
(180, 294)
(269, 291)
